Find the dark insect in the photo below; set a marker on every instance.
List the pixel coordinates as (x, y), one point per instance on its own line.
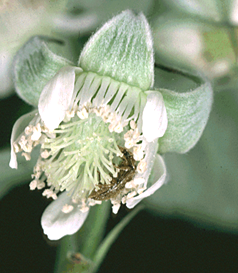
(127, 169)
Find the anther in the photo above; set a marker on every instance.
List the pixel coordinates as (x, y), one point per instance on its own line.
(45, 154)
(131, 194)
(36, 132)
(141, 167)
(16, 148)
(83, 114)
(141, 190)
(138, 153)
(33, 185)
(67, 208)
(27, 156)
(115, 208)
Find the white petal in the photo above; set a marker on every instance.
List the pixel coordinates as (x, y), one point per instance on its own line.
(17, 129)
(158, 176)
(56, 224)
(151, 149)
(154, 116)
(56, 96)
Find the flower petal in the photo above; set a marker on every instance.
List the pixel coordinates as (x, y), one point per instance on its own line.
(151, 149)
(17, 129)
(154, 116)
(56, 223)
(157, 179)
(56, 96)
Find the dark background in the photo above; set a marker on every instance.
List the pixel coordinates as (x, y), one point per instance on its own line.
(148, 244)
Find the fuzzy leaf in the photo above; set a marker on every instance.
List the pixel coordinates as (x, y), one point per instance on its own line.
(187, 117)
(123, 50)
(34, 65)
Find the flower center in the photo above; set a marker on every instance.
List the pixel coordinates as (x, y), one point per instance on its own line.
(98, 151)
(81, 150)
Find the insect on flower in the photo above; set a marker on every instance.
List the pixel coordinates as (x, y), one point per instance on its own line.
(97, 128)
(126, 172)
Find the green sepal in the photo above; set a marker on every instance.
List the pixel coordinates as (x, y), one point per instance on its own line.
(202, 185)
(187, 117)
(122, 49)
(34, 65)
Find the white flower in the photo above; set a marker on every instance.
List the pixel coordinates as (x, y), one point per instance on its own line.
(84, 125)
(98, 134)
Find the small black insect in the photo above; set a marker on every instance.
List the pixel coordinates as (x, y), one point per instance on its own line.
(127, 170)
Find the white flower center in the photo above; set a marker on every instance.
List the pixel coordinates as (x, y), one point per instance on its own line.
(97, 152)
(81, 150)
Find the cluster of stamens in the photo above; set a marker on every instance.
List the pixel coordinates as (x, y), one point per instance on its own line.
(83, 153)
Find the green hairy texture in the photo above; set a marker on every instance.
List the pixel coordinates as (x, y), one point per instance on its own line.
(187, 117)
(34, 66)
(122, 49)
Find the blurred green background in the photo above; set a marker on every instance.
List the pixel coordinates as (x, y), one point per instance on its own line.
(191, 223)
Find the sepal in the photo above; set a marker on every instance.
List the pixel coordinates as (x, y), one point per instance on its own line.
(122, 49)
(34, 65)
(187, 117)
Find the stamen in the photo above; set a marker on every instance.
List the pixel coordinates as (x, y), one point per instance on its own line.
(67, 208)
(16, 148)
(86, 87)
(28, 130)
(27, 156)
(112, 90)
(131, 194)
(83, 114)
(115, 208)
(36, 132)
(133, 124)
(138, 152)
(139, 181)
(33, 185)
(45, 154)
(84, 153)
(141, 168)
(123, 88)
(102, 91)
(141, 190)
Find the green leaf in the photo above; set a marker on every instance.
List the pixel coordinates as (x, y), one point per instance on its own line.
(203, 183)
(187, 117)
(123, 50)
(34, 65)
